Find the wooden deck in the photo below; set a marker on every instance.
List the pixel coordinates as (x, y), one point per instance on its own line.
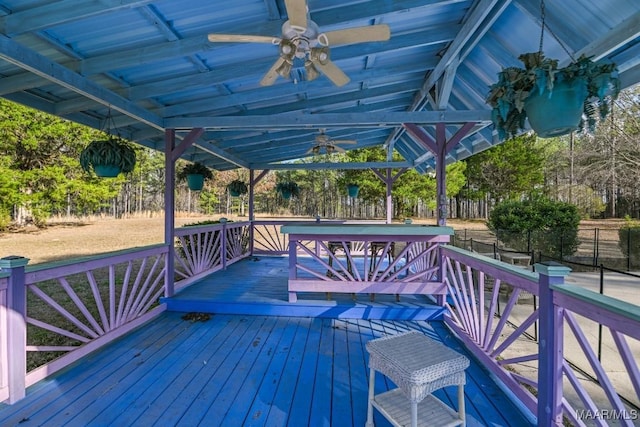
(242, 369)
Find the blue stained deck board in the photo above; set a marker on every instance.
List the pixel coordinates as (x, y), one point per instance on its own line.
(303, 395)
(282, 401)
(267, 384)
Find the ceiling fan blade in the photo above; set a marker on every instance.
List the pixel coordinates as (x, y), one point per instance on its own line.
(343, 141)
(297, 13)
(272, 75)
(333, 73)
(371, 33)
(240, 38)
(339, 149)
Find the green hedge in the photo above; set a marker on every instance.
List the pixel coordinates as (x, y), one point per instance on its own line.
(629, 241)
(540, 225)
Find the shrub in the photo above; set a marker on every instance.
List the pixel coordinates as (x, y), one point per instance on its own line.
(629, 241)
(5, 219)
(539, 224)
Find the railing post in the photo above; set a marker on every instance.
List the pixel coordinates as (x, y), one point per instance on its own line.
(223, 244)
(16, 334)
(550, 357)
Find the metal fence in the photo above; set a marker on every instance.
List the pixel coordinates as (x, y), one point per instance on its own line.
(586, 250)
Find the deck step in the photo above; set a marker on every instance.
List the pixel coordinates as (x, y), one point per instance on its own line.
(310, 308)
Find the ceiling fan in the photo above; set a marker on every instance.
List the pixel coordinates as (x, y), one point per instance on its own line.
(326, 145)
(301, 39)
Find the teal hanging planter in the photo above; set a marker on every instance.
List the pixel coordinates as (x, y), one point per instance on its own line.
(558, 112)
(286, 194)
(353, 190)
(106, 171)
(288, 189)
(195, 182)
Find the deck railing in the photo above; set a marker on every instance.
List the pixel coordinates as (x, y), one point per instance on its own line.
(535, 349)
(203, 249)
(4, 382)
(269, 240)
(64, 310)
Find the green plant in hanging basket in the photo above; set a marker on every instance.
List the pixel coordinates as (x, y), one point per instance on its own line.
(556, 101)
(195, 174)
(237, 187)
(108, 157)
(288, 189)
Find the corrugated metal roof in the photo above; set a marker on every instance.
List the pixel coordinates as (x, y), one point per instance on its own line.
(151, 63)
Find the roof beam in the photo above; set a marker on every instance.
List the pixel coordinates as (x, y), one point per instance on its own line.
(330, 165)
(484, 14)
(297, 120)
(35, 63)
(60, 12)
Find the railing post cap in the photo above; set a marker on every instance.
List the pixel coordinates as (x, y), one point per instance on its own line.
(13, 261)
(552, 268)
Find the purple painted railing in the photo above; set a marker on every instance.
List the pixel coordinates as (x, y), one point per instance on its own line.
(4, 381)
(548, 378)
(80, 304)
(390, 264)
(199, 249)
(268, 240)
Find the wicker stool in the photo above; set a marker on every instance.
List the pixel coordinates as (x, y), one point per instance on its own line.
(418, 366)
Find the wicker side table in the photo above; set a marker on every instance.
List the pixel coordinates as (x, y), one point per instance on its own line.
(418, 366)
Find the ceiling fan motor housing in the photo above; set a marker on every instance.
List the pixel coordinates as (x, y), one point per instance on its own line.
(304, 39)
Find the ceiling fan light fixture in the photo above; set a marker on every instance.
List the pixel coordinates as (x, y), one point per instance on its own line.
(310, 69)
(284, 70)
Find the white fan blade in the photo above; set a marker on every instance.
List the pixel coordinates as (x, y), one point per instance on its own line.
(343, 141)
(239, 38)
(297, 13)
(333, 73)
(272, 75)
(371, 33)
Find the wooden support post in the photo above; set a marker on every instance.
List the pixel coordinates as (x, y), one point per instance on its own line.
(169, 207)
(550, 358)
(16, 333)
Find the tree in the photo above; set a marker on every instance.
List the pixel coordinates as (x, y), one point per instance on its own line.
(507, 171)
(41, 151)
(609, 160)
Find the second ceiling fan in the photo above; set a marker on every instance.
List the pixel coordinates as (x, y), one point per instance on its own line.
(324, 144)
(301, 39)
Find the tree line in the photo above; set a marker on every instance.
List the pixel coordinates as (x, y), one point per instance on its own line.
(40, 176)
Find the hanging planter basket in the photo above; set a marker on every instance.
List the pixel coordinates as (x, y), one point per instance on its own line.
(195, 182)
(559, 111)
(195, 174)
(236, 188)
(286, 194)
(108, 158)
(106, 171)
(353, 190)
(288, 189)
